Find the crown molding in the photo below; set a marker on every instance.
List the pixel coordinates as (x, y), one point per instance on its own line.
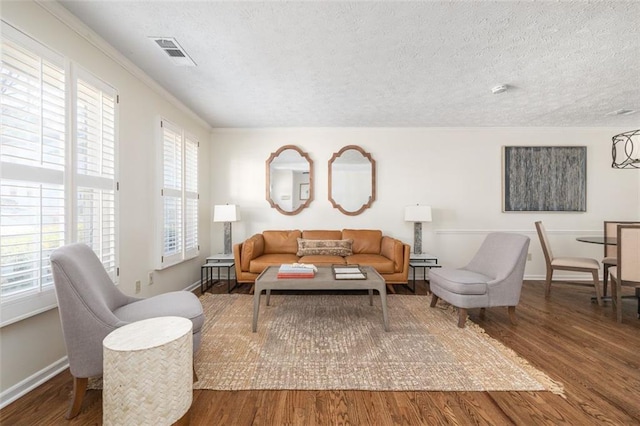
(70, 20)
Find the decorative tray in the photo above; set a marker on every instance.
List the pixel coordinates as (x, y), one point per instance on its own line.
(348, 272)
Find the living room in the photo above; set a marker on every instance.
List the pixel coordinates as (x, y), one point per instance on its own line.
(455, 169)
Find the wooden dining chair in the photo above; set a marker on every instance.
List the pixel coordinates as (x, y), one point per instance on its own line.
(611, 250)
(627, 270)
(579, 264)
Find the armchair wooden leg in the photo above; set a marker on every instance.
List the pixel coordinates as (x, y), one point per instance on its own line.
(512, 315)
(195, 375)
(79, 389)
(462, 317)
(482, 312)
(434, 300)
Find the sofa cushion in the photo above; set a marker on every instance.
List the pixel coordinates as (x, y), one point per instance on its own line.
(175, 303)
(322, 235)
(259, 264)
(378, 262)
(322, 260)
(459, 281)
(251, 248)
(365, 241)
(276, 242)
(324, 247)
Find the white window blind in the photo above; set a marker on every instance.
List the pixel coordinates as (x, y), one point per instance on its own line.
(179, 194)
(95, 169)
(57, 170)
(32, 156)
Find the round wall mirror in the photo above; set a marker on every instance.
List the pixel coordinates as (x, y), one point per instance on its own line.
(352, 180)
(289, 180)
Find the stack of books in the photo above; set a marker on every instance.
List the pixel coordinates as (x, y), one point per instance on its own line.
(296, 270)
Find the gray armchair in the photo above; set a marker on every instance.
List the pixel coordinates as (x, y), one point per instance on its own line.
(492, 278)
(91, 306)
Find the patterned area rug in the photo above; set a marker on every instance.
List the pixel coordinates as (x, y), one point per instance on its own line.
(338, 342)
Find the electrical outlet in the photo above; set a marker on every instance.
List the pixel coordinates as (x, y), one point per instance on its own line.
(150, 277)
(528, 256)
(137, 286)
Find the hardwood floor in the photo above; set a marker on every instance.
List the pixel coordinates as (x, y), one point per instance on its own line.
(574, 341)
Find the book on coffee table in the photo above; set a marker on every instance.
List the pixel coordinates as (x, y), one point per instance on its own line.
(296, 270)
(348, 272)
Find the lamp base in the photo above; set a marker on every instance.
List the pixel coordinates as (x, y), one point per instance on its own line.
(417, 238)
(227, 238)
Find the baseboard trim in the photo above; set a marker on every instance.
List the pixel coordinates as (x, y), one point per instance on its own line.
(27, 385)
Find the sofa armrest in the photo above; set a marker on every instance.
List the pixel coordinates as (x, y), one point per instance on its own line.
(393, 249)
(247, 251)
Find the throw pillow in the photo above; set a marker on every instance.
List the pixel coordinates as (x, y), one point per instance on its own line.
(324, 247)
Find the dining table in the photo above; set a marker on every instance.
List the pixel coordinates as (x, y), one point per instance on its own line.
(610, 241)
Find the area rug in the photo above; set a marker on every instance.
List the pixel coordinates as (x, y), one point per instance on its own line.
(323, 342)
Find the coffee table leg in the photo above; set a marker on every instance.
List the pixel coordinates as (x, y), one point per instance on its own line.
(370, 297)
(256, 308)
(383, 299)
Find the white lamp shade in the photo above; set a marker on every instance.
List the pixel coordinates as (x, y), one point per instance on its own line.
(417, 213)
(226, 213)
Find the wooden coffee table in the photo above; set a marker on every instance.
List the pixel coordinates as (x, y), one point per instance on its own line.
(323, 280)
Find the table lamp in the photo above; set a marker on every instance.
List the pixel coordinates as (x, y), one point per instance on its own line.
(417, 214)
(226, 213)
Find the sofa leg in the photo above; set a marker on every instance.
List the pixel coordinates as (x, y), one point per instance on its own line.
(512, 315)
(391, 289)
(462, 317)
(434, 300)
(482, 312)
(79, 389)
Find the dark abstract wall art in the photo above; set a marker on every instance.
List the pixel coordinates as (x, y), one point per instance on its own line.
(544, 178)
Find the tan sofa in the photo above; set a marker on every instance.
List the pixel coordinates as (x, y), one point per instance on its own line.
(389, 256)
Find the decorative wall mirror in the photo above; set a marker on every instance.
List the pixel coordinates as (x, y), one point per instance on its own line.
(352, 180)
(289, 180)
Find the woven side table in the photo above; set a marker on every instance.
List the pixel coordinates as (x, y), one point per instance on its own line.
(148, 372)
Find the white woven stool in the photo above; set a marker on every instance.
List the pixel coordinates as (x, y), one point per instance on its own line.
(148, 372)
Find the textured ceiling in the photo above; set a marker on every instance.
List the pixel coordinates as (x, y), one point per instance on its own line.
(375, 64)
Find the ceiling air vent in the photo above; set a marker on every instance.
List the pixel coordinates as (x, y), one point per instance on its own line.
(176, 53)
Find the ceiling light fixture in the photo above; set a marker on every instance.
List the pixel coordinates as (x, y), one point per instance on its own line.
(626, 150)
(499, 89)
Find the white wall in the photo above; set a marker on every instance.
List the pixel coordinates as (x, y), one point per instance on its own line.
(35, 343)
(456, 171)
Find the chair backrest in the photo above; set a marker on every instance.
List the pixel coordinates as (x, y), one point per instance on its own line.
(500, 255)
(86, 298)
(611, 230)
(544, 242)
(629, 253)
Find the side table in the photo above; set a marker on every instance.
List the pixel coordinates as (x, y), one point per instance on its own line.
(217, 262)
(148, 372)
(424, 261)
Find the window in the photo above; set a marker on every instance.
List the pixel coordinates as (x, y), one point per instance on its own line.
(95, 168)
(57, 175)
(179, 195)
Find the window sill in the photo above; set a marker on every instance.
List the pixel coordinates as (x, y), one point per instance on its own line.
(26, 306)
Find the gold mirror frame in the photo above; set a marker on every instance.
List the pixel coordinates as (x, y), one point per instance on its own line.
(371, 196)
(296, 193)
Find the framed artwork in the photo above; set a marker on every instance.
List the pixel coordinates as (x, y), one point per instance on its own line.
(544, 179)
(304, 191)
